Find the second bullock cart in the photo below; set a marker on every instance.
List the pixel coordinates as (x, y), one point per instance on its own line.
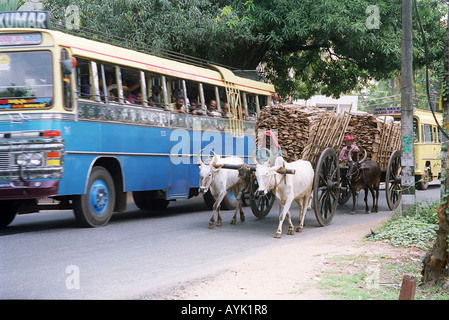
(317, 135)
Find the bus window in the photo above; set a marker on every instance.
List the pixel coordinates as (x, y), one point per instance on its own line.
(176, 88)
(251, 104)
(27, 75)
(66, 84)
(155, 90)
(131, 86)
(263, 101)
(210, 94)
(428, 133)
(193, 95)
(109, 75)
(84, 79)
(415, 130)
(435, 134)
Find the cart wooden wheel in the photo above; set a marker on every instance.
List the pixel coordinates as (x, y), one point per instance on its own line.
(393, 181)
(326, 187)
(260, 205)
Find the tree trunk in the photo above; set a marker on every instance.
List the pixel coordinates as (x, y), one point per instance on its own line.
(435, 266)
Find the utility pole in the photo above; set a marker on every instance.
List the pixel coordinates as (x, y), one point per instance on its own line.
(407, 161)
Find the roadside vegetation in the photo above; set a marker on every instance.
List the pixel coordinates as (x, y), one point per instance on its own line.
(408, 236)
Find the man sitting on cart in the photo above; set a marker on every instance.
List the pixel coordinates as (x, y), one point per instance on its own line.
(350, 147)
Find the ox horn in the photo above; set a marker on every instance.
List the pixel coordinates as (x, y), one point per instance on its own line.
(364, 157)
(199, 156)
(214, 160)
(361, 161)
(255, 160)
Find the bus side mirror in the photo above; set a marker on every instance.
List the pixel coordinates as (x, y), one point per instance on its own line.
(66, 66)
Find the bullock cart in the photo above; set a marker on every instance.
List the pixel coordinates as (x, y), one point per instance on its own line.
(316, 135)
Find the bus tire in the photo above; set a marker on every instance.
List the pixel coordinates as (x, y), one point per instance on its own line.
(228, 203)
(94, 209)
(146, 200)
(8, 211)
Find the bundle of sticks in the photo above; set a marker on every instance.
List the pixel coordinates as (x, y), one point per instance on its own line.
(377, 136)
(303, 132)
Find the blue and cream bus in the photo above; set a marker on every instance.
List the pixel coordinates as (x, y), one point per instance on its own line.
(83, 123)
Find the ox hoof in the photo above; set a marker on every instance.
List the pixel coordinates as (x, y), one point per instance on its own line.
(242, 219)
(291, 232)
(211, 225)
(218, 224)
(352, 212)
(367, 212)
(233, 221)
(277, 235)
(299, 229)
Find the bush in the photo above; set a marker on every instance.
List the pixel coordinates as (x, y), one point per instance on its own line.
(413, 228)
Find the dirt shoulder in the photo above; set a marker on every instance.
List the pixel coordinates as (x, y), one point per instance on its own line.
(285, 272)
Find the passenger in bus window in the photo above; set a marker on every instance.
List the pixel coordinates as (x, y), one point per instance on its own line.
(139, 98)
(178, 106)
(152, 102)
(243, 117)
(194, 108)
(128, 90)
(85, 87)
(225, 110)
(212, 109)
(110, 82)
(113, 94)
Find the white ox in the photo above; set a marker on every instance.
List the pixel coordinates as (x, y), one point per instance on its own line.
(286, 187)
(219, 181)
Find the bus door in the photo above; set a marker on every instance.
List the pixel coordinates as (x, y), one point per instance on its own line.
(180, 160)
(178, 179)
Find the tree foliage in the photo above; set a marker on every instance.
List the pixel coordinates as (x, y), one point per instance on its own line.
(306, 47)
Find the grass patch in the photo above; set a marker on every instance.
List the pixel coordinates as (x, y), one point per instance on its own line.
(412, 228)
(373, 278)
(379, 277)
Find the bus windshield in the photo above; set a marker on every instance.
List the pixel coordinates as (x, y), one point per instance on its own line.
(26, 80)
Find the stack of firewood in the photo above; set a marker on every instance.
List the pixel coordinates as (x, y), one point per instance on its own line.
(304, 132)
(379, 138)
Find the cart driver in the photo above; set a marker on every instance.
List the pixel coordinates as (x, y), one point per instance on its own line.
(344, 154)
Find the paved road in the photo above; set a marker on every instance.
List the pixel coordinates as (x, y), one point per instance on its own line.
(46, 256)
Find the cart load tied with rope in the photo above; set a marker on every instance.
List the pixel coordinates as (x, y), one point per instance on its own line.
(316, 135)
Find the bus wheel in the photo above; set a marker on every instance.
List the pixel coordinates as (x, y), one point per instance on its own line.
(229, 201)
(8, 211)
(94, 209)
(146, 200)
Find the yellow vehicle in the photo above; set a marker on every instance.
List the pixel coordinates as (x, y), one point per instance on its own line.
(426, 147)
(426, 143)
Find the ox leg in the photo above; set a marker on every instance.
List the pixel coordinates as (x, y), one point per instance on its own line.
(216, 208)
(376, 199)
(283, 210)
(366, 200)
(354, 197)
(302, 213)
(239, 208)
(290, 230)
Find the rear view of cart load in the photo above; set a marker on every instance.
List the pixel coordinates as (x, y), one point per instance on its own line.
(316, 135)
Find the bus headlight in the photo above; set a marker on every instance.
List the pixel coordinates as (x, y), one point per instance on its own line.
(22, 159)
(29, 159)
(36, 159)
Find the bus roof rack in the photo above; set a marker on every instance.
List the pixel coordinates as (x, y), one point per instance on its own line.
(142, 47)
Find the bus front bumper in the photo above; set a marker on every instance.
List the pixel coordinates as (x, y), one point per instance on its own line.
(28, 189)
